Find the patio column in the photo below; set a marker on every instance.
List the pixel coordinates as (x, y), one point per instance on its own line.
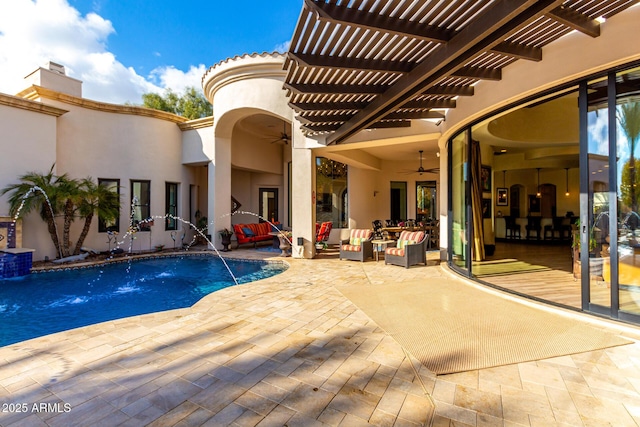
(219, 184)
(303, 200)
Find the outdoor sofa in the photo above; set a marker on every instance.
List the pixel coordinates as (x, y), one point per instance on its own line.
(254, 232)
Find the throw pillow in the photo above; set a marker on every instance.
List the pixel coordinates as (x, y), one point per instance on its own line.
(356, 241)
(247, 232)
(403, 243)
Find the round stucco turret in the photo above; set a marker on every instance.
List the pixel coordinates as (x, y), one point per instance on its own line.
(247, 84)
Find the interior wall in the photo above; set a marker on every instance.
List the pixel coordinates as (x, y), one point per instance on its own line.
(370, 192)
(245, 187)
(256, 153)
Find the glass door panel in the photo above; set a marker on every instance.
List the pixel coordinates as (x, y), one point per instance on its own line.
(458, 217)
(628, 191)
(596, 235)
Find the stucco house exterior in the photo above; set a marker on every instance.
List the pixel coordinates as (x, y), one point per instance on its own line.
(267, 154)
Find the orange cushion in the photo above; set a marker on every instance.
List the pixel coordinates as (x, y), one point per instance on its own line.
(394, 251)
(416, 236)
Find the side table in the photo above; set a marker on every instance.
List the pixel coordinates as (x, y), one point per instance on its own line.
(381, 244)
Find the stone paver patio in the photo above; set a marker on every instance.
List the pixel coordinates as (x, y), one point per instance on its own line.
(292, 350)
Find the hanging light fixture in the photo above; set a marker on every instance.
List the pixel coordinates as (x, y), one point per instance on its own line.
(504, 178)
(538, 193)
(567, 181)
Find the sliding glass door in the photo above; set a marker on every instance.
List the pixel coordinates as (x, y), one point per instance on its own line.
(459, 215)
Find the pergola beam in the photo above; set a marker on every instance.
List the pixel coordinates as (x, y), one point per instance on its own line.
(334, 118)
(320, 106)
(335, 89)
(376, 22)
(372, 65)
(450, 90)
(519, 51)
(482, 34)
(575, 20)
(375, 125)
(478, 73)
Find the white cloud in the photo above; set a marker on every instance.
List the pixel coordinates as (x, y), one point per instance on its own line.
(282, 47)
(178, 80)
(34, 32)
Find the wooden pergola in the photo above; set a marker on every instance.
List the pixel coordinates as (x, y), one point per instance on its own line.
(364, 64)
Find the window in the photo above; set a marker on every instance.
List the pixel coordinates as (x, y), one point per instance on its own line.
(331, 192)
(426, 201)
(140, 203)
(171, 206)
(114, 224)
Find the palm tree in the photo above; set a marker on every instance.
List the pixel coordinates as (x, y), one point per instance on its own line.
(629, 118)
(94, 199)
(69, 193)
(25, 198)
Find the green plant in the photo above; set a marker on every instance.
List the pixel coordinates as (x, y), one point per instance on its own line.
(225, 232)
(202, 222)
(577, 242)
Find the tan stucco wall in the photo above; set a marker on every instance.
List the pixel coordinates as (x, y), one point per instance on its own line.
(88, 139)
(108, 145)
(28, 144)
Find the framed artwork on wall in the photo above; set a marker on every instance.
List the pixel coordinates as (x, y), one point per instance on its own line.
(502, 197)
(486, 208)
(485, 178)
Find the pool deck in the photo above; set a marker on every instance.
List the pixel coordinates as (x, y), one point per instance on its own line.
(292, 350)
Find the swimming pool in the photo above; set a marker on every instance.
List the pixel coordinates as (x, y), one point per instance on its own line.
(44, 303)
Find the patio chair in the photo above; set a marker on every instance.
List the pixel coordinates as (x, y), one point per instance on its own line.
(410, 249)
(377, 229)
(323, 232)
(358, 247)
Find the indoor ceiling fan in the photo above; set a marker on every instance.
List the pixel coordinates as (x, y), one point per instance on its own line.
(421, 169)
(284, 137)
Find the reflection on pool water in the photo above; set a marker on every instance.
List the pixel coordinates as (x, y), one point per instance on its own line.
(44, 303)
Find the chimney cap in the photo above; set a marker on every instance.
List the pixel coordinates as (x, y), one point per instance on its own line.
(56, 68)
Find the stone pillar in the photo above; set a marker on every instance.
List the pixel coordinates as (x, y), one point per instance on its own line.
(303, 198)
(219, 190)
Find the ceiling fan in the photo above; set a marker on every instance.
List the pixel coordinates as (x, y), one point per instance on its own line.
(284, 137)
(422, 170)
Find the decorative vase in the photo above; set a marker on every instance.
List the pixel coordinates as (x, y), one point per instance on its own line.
(226, 241)
(284, 246)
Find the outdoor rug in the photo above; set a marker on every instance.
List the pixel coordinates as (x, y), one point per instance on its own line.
(450, 326)
(505, 266)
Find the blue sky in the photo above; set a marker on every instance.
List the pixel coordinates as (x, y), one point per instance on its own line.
(121, 49)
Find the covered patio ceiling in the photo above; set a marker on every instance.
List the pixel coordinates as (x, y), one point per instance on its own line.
(364, 64)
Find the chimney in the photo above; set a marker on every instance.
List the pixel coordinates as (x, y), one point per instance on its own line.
(54, 77)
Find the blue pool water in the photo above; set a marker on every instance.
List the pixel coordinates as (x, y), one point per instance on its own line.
(44, 303)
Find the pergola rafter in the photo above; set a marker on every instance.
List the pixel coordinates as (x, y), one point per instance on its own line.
(357, 65)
